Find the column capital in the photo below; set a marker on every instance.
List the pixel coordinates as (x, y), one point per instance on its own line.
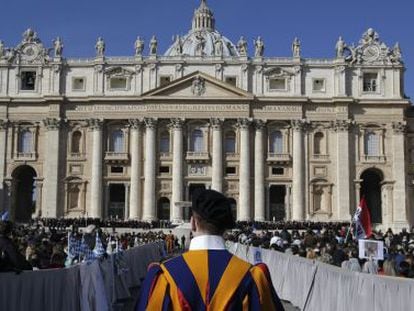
(135, 123)
(399, 127)
(95, 124)
(150, 122)
(216, 123)
(4, 124)
(299, 125)
(244, 123)
(342, 125)
(176, 123)
(52, 123)
(259, 124)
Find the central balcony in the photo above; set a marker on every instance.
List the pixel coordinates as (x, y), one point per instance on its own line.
(278, 157)
(193, 156)
(111, 156)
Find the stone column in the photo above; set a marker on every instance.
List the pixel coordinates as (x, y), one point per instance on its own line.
(177, 170)
(126, 214)
(95, 210)
(298, 189)
(149, 210)
(135, 199)
(343, 196)
(39, 191)
(259, 184)
(3, 144)
(51, 169)
(399, 216)
(288, 207)
(244, 170)
(217, 159)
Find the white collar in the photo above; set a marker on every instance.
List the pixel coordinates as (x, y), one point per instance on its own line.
(207, 242)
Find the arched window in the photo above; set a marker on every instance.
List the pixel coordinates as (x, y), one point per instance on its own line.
(76, 142)
(25, 141)
(197, 141)
(317, 143)
(230, 142)
(165, 142)
(371, 144)
(118, 141)
(276, 142)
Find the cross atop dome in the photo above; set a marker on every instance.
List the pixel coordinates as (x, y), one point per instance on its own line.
(203, 18)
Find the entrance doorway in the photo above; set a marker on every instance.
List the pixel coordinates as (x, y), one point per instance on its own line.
(163, 209)
(371, 189)
(23, 193)
(116, 201)
(233, 205)
(277, 209)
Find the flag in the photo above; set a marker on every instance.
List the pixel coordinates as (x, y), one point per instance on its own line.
(362, 220)
(98, 250)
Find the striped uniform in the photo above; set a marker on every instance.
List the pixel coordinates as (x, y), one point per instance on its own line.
(210, 279)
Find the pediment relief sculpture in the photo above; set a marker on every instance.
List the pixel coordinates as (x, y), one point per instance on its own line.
(277, 72)
(118, 72)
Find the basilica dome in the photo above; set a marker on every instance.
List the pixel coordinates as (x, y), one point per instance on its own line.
(203, 39)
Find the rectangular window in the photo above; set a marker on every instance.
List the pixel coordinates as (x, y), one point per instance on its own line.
(278, 171)
(117, 170)
(78, 84)
(164, 169)
(118, 83)
(370, 82)
(164, 80)
(318, 85)
(277, 84)
(230, 170)
(28, 80)
(231, 80)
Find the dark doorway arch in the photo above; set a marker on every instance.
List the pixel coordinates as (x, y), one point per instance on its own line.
(164, 209)
(371, 189)
(277, 195)
(233, 205)
(23, 193)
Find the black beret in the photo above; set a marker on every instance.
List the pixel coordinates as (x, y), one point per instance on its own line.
(213, 207)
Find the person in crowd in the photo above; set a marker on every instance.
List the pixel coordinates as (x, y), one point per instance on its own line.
(10, 258)
(352, 264)
(208, 276)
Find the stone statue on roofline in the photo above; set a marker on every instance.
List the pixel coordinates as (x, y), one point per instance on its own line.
(2, 49)
(242, 46)
(340, 47)
(100, 47)
(178, 45)
(139, 46)
(218, 46)
(58, 47)
(153, 45)
(296, 48)
(259, 47)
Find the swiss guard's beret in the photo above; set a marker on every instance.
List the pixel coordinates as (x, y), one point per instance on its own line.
(214, 208)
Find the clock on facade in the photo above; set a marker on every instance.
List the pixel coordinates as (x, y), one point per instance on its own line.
(371, 53)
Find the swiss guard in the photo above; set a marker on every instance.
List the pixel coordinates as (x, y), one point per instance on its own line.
(208, 277)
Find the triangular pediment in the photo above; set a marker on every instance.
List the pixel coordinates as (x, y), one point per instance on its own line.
(198, 85)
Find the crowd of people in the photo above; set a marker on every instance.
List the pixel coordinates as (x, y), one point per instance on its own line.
(328, 243)
(57, 243)
(48, 243)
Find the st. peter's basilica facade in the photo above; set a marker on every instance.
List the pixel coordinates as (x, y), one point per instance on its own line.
(134, 137)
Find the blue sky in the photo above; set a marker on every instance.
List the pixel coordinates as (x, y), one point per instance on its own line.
(318, 23)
